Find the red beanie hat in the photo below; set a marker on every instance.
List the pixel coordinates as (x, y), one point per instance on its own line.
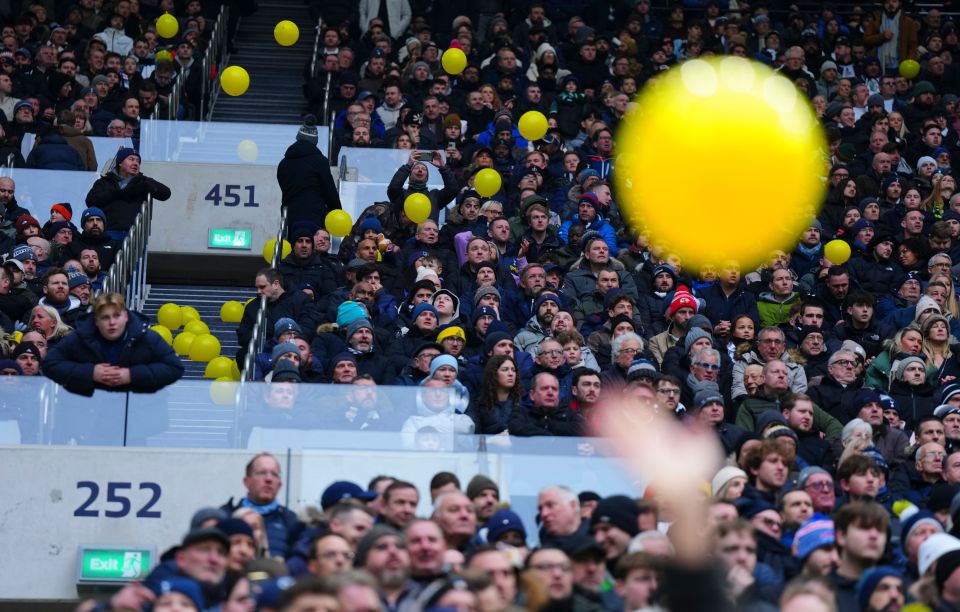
(682, 298)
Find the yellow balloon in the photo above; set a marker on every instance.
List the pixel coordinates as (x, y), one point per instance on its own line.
(234, 370)
(453, 60)
(247, 302)
(17, 336)
(197, 328)
(248, 151)
(164, 333)
(235, 80)
(167, 25)
(218, 367)
(338, 222)
(908, 69)
(204, 348)
(837, 252)
(286, 33)
(223, 391)
(181, 344)
(418, 207)
(487, 182)
(703, 154)
(532, 125)
(231, 312)
(163, 55)
(285, 250)
(170, 316)
(189, 313)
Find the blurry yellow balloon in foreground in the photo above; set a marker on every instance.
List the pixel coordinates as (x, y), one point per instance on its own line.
(721, 160)
(248, 151)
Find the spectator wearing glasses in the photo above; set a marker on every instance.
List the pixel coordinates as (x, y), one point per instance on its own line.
(836, 390)
(771, 345)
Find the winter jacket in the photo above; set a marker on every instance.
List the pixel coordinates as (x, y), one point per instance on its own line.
(774, 312)
(493, 420)
(913, 402)
(439, 198)
(105, 246)
(605, 230)
(122, 204)
(530, 337)
(877, 277)
(295, 305)
(307, 186)
(152, 362)
(529, 420)
(53, 153)
(313, 270)
(721, 307)
(833, 397)
(581, 282)
(798, 378)
(82, 144)
(752, 407)
(281, 524)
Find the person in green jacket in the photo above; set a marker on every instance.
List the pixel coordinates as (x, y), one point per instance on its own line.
(775, 389)
(909, 341)
(774, 305)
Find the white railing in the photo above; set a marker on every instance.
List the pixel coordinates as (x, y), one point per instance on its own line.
(128, 274)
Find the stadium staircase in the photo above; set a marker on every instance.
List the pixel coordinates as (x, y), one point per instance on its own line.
(276, 73)
(207, 300)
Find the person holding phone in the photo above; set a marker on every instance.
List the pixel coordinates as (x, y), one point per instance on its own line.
(412, 177)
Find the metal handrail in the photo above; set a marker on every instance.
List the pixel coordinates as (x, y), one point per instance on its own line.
(215, 53)
(258, 338)
(128, 274)
(325, 111)
(316, 48)
(333, 118)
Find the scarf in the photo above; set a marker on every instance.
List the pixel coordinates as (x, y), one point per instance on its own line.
(888, 52)
(810, 253)
(261, 510)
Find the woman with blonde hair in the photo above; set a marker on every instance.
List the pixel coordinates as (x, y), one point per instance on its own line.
(255, 520)
(909, 341)
(47, 321)
(936, 340)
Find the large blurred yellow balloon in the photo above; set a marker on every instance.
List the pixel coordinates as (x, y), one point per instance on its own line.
(453, 60)
(248, 151)
(197, 327)
(338, 222)
(204, 348)
(218, 367)
(908, 69)
(417, 207)
(167, 25)
(169, 316)
(164, 333)
(285, 250)
(532, 125)
(223, 391)
(181, 344)
(722, 159)
(189, 313)
(487, 182)
(235, 80)
(286, 33)
(837, 252)
(231, 312)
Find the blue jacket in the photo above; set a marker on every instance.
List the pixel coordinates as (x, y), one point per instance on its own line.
(152, 362)
(606, 231)
(53, 153)
(282, 526)
(722, 308)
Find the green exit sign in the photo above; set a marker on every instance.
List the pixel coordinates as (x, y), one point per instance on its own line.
(113, 565)
(229, 239)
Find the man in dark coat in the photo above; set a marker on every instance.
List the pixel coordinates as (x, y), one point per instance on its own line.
(115, 350)
(93, 222)
(53, 152)
(417, 173)
(121, 192)
(542, 414)
(306, 183)
(295, 305)
(303, 265)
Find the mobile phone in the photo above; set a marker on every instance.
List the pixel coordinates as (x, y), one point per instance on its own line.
(451, 144)
(424, 155)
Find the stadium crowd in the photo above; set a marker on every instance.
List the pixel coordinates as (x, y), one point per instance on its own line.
(832, 388)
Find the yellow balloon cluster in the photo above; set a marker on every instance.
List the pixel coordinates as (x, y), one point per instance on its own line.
(204, 347)
(219, 367)
(285, 250)
(721, 160)
(189, 313)
(286, 33)
(235, 80)
(182, 343)
(167, 25)
(196, 327)
(164, 333)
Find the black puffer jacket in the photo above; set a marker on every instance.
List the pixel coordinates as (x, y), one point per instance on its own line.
(308, 189)
(122, 204)
(152, 362)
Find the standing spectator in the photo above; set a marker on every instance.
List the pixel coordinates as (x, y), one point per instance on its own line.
(116, 350)
(891, 35)
(121, 192)
(308, 188)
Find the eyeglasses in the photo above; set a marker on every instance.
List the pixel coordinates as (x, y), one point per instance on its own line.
(333, 554)
(629, 351)
(845, 363)
(823, 485)
(771, 522)
(553, 352)
(669, 391)
(933, 455)
(715, 367)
